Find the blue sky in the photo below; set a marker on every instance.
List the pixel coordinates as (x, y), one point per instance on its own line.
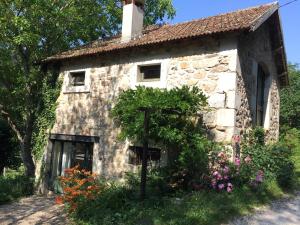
(290, 16)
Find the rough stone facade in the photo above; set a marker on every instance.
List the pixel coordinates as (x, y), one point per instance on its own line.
(221, 67)
(253, 50)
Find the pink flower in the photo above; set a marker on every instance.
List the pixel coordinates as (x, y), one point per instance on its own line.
(229, 187)
(213, 183)
(216, 173)
(221, 154)
(248, 159)
(226, 177)
(219, 177)
(221, 186)
(226, 170)
(260, 176)
(237, 162)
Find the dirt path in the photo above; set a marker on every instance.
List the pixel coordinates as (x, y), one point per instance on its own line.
(33, 210)
(281, 212)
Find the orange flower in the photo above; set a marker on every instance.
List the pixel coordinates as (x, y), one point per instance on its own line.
(59, 200)
(78, 183)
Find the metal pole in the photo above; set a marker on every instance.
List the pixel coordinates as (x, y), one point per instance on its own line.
(145, 154)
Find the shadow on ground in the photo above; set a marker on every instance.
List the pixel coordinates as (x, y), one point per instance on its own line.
(33, 210)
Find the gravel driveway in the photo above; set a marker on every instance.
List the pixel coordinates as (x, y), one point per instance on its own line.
(33, 210)
(281, 212)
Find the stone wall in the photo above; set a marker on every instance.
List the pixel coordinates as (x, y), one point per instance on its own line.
(209, 64)
(255, 49)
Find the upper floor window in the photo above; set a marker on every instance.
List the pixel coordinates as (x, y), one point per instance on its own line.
(77, 81)
(77, 78)
(148, 73)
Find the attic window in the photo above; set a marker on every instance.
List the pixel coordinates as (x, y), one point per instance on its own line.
(77, 78)
(149, 73)
(136, 155)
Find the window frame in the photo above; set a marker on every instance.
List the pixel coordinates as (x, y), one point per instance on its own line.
(161, 83)
(73, 81)
(72, 160)
(154, 155)
(260, 96)
(265, 99)
(68, 87)
(141, 76)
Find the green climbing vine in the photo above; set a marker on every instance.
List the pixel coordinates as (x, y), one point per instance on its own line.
(46, 116)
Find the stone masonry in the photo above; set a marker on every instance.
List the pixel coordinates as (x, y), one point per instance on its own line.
(220, 66)
(249, 59)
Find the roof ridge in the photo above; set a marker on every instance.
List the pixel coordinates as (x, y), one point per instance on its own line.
(221, 14)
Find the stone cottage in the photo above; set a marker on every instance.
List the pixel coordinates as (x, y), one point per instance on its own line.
(238, 60)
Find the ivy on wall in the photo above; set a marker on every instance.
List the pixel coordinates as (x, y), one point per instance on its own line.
(46, 116)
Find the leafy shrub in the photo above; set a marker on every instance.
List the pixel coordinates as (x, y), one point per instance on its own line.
(291, 138)
(283, 168)
(253, 145)
(171, 113)
(194, 158)
(15, 185)
(273, 160)
(174, 125)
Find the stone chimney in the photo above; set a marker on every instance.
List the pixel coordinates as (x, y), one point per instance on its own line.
(133, 18)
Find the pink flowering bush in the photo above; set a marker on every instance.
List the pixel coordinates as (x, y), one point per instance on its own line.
(225, 174)
(221, 172)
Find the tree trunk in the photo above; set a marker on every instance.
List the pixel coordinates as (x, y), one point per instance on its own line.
(26, 148)
(1, 170)
(27, 159)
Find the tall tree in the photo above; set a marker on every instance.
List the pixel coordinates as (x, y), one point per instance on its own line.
(9, 156)
(290, 100)
(31, 30)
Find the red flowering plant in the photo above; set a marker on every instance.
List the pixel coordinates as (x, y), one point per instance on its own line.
(78, 186)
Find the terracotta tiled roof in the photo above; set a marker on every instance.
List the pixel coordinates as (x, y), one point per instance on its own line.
(240, 20)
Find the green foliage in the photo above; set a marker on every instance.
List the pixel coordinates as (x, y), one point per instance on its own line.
(14, 186)
(174, 124)
(291, 139)
(290, 101)
(275, 160)
(33, 30)
(46, 117)
(168, 128)
(120, 205)
(290, 124)
(254, 146)
(9, 151)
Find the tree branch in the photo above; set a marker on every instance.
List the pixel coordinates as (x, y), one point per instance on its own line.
(11, 123)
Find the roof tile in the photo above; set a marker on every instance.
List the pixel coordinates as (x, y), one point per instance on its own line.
(234, 21)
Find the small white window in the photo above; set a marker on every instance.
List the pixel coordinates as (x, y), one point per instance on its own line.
(149, 73)
(77, 78)
(152, 73)
(77, 81)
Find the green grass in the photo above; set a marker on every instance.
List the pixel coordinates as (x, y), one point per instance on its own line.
(296, 158)
(14, 186)
(204, 207)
